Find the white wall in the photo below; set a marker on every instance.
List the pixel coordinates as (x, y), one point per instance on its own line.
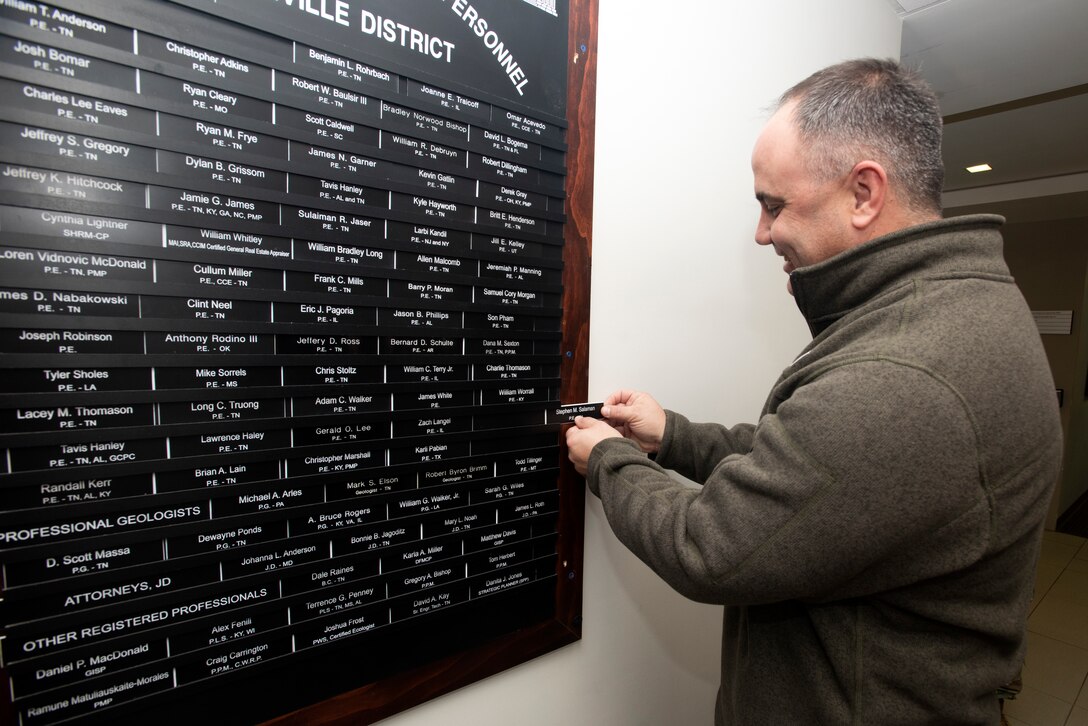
(684, 305)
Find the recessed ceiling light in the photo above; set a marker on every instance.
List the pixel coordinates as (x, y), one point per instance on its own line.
(979, 167)
(910, 6)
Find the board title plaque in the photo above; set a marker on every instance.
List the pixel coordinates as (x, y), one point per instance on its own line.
(283, 287)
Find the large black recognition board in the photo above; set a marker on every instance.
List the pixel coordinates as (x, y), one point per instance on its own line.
(282, 299)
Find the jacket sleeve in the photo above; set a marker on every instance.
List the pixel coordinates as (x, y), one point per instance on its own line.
(848, 473)
(703, 446)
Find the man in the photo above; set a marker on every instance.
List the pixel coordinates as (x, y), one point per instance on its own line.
(874, 537)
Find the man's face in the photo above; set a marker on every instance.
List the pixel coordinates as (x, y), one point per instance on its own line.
(805, 219)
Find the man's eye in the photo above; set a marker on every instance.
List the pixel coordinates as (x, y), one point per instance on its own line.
(773, 209)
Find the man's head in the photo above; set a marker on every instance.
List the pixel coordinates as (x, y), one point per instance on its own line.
(852, 152)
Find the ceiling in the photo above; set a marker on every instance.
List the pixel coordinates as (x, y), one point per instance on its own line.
(1012, 78)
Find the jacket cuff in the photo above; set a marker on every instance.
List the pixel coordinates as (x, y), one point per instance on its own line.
(672, 421)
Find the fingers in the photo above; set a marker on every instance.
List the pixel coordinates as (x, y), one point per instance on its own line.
(621, 396)
(613, 398)
(615, 403)
(583, 422)
(571, 433)
(630, 409)
(580, 443)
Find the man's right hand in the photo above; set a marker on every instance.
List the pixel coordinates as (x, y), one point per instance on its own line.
(637, 416)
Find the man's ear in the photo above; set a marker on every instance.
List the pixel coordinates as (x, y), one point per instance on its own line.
(869, 186)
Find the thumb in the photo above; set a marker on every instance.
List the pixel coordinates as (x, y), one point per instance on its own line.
(584, 422)
(618, 413)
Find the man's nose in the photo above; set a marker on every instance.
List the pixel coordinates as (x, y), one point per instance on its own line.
(763, 232)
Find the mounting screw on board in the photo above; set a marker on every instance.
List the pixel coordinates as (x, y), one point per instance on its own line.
(583, 47)
(570, 353)
(570, 575)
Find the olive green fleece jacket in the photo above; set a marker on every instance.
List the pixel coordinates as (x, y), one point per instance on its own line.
(874, 537)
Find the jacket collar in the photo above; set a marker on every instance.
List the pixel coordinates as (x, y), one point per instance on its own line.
(966, 246)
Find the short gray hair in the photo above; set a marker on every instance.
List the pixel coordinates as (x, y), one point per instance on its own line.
(871, 108)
